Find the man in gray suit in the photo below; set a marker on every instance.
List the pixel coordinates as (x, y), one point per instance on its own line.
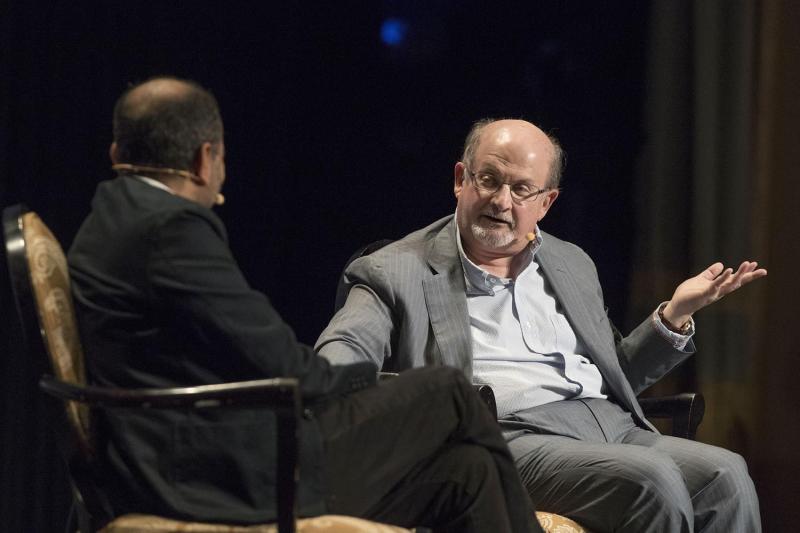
(488, 292)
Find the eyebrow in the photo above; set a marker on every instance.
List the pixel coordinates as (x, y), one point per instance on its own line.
(490, 168)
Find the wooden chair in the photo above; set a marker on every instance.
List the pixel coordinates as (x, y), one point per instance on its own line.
(41, 287)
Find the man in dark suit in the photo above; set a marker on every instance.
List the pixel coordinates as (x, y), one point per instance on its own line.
(161, 302)
(487, 292)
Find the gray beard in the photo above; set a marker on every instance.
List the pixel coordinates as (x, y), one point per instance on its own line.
(492, 238)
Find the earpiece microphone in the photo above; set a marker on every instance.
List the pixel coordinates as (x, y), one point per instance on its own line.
(125, 167)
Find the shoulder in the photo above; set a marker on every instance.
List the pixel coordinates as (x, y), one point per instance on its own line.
(566, 250)
(399, 261)
(156, 210)
(409, 250)
(135, 218)
(562, 255)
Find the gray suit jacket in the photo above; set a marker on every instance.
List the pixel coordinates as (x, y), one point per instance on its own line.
(407, 307)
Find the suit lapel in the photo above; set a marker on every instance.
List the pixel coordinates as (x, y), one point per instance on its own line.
(568, 294)
(446, 302)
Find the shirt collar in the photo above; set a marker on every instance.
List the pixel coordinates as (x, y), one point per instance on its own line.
(481, 282)
(154, 183)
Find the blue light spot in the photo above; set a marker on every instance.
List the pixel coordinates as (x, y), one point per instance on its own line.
(393, 31)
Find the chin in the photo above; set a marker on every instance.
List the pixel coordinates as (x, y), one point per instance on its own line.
(493, 238)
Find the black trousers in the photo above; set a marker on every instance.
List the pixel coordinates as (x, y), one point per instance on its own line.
(422, 450)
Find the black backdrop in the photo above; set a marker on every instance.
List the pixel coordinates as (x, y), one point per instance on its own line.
(333, 137)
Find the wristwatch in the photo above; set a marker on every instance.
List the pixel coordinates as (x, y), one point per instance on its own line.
(685, 329)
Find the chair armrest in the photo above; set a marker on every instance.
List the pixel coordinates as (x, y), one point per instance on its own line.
(277, 392)
(281, 395)
(686, 411)
(487, 395)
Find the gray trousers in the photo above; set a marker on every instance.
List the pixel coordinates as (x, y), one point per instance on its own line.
(586, 459)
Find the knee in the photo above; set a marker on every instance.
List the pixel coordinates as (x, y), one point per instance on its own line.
(441, 378)
(451, 374)
(443, 374)
(639, 490)
(655, 481)
(730, 475)
(468, 466)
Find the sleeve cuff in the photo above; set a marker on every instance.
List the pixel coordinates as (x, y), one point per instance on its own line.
(677, 340)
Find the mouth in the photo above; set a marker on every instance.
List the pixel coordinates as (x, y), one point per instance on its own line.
(495, 221)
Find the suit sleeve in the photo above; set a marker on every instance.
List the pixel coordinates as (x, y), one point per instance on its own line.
(362, 330)
(195, 283)
(644, 355)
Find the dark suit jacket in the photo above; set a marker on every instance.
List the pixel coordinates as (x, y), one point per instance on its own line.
(407, 307)
(162, 303)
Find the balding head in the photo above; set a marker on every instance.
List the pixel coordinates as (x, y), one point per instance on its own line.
(494, 127)
(163, 122)
(504, 187)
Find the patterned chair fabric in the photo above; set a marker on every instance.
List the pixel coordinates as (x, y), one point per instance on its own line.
(51, 289)
(553, 523)
(321, 524)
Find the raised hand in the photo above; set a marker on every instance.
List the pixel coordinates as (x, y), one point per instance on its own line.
(707, 287)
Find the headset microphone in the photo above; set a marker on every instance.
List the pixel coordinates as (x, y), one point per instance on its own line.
(219, 199)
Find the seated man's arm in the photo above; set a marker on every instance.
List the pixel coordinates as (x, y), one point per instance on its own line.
(647, 353)
(197, 288)
(363, 328)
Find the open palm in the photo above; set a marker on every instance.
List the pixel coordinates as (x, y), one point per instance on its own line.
(707, 287)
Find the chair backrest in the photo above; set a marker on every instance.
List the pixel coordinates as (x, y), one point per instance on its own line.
(37, 251)
(40, 281)
(343, 288)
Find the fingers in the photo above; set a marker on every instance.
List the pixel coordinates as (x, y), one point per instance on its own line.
(723, 277)
(751, 273)
(713, 271)
(744, 274)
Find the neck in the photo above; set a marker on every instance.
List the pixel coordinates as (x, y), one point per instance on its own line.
(500, 264)
(179, 182)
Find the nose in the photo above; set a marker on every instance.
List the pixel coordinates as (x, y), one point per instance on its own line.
(502, 197)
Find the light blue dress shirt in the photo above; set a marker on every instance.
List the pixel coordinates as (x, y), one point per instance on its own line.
(522, 343)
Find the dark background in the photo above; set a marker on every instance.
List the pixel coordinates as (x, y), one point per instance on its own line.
(335, 138)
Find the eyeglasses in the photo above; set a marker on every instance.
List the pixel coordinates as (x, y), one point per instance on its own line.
(486, 182)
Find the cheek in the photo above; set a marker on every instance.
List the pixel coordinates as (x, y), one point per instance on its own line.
(466, 203)
(527, 218)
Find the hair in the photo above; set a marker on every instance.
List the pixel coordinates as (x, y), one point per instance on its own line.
(474, 136)
(165, 128)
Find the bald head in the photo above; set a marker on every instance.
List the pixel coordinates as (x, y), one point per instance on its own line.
(501, 131)
(164, 121)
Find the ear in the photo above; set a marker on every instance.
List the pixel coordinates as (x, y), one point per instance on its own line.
(113, 153)
(203, 161)
(547, 203)
(459, 174)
